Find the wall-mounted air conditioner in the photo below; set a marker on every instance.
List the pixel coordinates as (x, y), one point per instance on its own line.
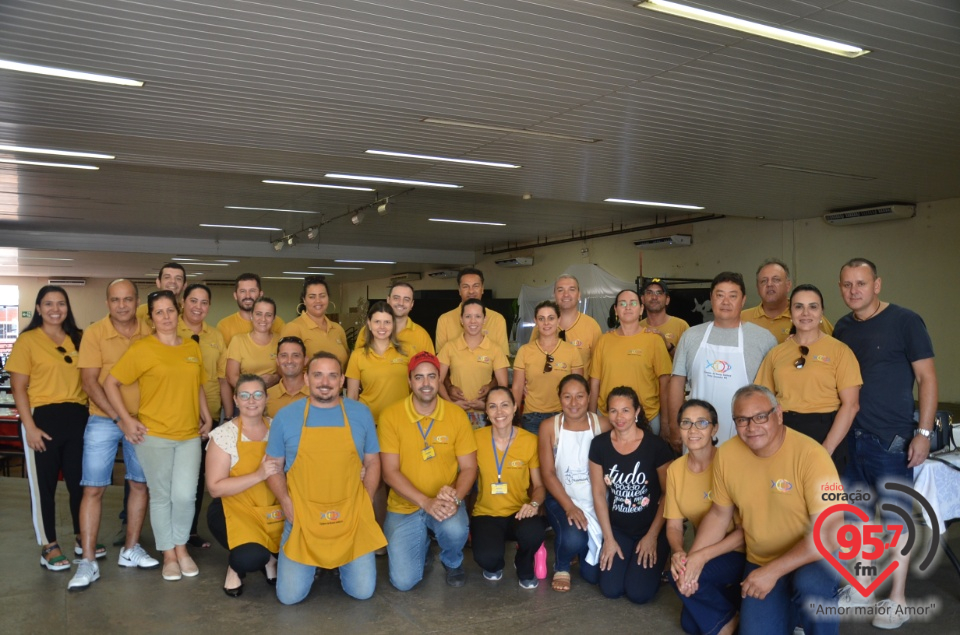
(525, 261)
(410, 276)
(873, 214)
(68, 282)
(441, 274)
(677, 240)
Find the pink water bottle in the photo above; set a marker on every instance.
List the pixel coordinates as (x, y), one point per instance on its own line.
(540, 562)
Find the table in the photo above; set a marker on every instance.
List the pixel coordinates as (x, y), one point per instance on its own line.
(939, 483)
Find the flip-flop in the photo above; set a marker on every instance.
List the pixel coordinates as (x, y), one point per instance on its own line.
(196, 541)
(561, 581)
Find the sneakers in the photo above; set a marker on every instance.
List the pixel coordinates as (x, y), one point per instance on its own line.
(532, 583)
(848, 598)
(890, 615)
(456, 576)
(87, 573)
(136, 556)
(493, 576)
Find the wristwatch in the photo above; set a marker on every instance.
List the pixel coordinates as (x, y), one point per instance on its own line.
(923, 432)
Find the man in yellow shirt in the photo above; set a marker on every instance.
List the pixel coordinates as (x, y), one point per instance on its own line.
(576, 328)
(470, 285)
(291, 359)
(655, 297)
(428, 453)
(776, 478)
(773, 312)
(247, 290)
(172, 277)
(413, 337)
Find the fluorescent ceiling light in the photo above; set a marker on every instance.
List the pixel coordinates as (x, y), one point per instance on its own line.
(507, 129)
(339, 268)
(270, 209)
(205, 264)
(753, 28)
(42, 258)
(266, 229)
(308, 273)
(651, 203)
(840, 175)
(429, 157)
(383, 179)
(281, 278)
(370, 262)
(323, 185)
(62, 72)
(465, 222)
(59, 153)
(228, 261)
(47, 164)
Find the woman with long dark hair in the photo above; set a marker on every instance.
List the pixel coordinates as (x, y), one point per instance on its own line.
(318, 332)
(48, 393)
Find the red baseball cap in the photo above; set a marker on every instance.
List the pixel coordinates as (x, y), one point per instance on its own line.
(423, 357)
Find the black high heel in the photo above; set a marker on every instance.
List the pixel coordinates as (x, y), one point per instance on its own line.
(234, 593)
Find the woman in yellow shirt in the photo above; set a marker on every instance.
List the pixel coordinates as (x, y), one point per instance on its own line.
(815, 376)
(707, 581)
(255, 353)
(539, 367)
(47, 391)
(510, 493)
(318, 332)
(172, 417)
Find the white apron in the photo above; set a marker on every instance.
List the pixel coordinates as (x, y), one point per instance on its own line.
(572, 461)
(718, 372)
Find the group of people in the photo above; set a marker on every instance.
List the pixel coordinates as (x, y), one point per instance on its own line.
(326, 458)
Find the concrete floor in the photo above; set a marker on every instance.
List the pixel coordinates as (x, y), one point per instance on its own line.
(36, 600)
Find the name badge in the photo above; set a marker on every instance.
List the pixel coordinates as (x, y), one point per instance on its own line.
(428, 453)
(498, 488)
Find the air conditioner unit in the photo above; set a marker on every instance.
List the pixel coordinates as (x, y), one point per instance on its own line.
(677, 240)
(443, 273)
(515, 262)
(68, 282)
(410, 276)
(870, 214)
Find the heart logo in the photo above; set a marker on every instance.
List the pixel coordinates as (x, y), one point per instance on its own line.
(825, 552)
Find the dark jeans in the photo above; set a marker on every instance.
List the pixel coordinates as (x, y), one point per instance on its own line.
(568, 541)
(874, 462)
(246, 558)
(717, 599)
(788, 603)
(530, 421)
(627, 577)
(490, 534)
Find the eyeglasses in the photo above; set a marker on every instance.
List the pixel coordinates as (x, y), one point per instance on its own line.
(245, 396)
(804, 351)
(548, 366)
(563, 334)
(702, 424)
(63, 352)
(654, 292)
(290, 338)
(625, 303)
(759, 418)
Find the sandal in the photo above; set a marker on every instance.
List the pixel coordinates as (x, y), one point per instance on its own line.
(196, 541)
(561, 581)
(99, 551)
(56, 563)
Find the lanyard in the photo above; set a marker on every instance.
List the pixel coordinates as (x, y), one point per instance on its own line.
(424, 434)
(498, 460)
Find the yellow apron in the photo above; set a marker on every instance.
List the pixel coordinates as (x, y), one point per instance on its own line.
(333, 520)
(253, 515)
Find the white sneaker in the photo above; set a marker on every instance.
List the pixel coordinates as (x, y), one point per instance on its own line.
(890, 615)
(136, 556)
(848, 598)
(87, 573)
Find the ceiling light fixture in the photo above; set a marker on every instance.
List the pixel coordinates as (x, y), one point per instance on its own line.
(228, 261)
(308, 273)
(430, 157)
(47, 164)
(291, 240)
(384, 179)
(507, 129)
(369, 262)
(339, 268)
(59, 153)
(384, 208)
(313, 232)
(266, 229)
(465, 222)
(280, 278)
(323, 185)
(357, 218)
(278, 245)
(651, 203)
(42, 258)
(269, 209)
(753, 28)
(839, 175)
(10, 65)
(204, 264)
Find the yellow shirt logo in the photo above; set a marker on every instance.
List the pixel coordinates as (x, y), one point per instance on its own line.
(484, 359)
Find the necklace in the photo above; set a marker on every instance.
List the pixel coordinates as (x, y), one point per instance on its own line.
(875, 311)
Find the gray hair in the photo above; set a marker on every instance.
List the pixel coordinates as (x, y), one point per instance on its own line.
(754, 389)
(774, 261)
(567, 276)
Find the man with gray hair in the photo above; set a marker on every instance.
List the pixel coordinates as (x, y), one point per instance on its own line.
(576, 328)
(773, 312)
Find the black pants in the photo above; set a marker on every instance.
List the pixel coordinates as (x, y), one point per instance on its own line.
(65, 423)
(245, 558)
(489, 535)
(201, 482)
(627, 577)
(816, 425)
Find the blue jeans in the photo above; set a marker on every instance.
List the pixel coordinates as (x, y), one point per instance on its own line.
(408, 543)
(787, 604)
(358, 577)
(873, 462)
(568, 541)
(628, 577)
(530, 421)
(100, 439)
(717, 599)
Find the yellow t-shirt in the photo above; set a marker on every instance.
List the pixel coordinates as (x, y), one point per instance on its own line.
(234, 325)
(332, 340)
(413, 338)
(690, 495)
(671, 331)
(521, 458)
(171, 378)
(541, 387)
(51, 378)
(471, 370)
(494, 327)
(383, 378)
(583, 335)
(450, 437)
(637, 361)
(779, 326)
(102, 347)
(278, 397)
(214, 354)
(776, 495)
(253, 358)
(830, 367)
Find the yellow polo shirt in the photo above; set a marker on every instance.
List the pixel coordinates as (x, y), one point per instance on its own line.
(383, 378)
(583, 335)
(521, 457)
(637, 361)
(51, 378)
(494, 327)
(671, 331)
(450, 437)
(779, 326)
(278, 397)
(214, 354)
(471, 370)
(102, 347)
(234, 324)
(541, 388)
(333, 339)
(829, 368)
(690, 495)
(253, 358)
(413, 338)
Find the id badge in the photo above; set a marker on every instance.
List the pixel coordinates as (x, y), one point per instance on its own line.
(428, 453)
(498, 488)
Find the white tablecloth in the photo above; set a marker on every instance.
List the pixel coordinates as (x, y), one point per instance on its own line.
(939, 484)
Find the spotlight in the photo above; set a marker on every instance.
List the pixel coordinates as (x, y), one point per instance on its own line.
(313, 232)
(291, 240)
(384, 208)
(357, 218)
(278, 245)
